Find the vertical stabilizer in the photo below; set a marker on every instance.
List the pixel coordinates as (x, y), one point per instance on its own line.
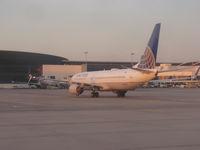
(195, 75)
(148, 59)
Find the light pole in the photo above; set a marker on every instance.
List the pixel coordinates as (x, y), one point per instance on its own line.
(132, 57)
(85, 57)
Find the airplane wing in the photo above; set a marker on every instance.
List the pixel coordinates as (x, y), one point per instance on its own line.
(192, 62)
(171, 70)
(171, 80)
(88, 86)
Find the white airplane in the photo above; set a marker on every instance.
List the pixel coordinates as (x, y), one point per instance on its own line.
(120, 81)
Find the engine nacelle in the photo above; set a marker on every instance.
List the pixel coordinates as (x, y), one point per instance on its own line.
(75, 89)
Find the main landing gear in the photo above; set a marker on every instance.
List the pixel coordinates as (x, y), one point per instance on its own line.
(95, 94)
(121, 93)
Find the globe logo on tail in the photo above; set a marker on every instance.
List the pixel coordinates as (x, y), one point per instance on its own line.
(147, 60)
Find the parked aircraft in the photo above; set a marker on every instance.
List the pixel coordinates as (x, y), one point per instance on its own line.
(120, 81)
(41, 82)
(176, 82)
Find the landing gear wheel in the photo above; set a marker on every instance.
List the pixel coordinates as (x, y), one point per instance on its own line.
(95, 94)
(121, 93)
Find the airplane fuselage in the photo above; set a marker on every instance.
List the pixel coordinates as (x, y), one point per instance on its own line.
(113, 80)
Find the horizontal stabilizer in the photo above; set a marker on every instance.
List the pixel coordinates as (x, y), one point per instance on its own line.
(143, 70)
(139, 69)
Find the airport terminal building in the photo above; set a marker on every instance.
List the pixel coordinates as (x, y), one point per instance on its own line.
(15, 66)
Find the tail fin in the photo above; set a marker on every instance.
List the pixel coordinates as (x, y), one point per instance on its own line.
(148, 59)
(195, 75)
(197, 72)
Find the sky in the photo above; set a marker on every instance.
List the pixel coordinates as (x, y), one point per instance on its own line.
(109, 30)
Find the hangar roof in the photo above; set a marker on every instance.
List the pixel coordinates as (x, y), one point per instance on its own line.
(16, 57)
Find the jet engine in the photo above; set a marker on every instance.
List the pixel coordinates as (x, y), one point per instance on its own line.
(75, 89)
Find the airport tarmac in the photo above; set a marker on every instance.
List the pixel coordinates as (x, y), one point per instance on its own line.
(147, 119)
